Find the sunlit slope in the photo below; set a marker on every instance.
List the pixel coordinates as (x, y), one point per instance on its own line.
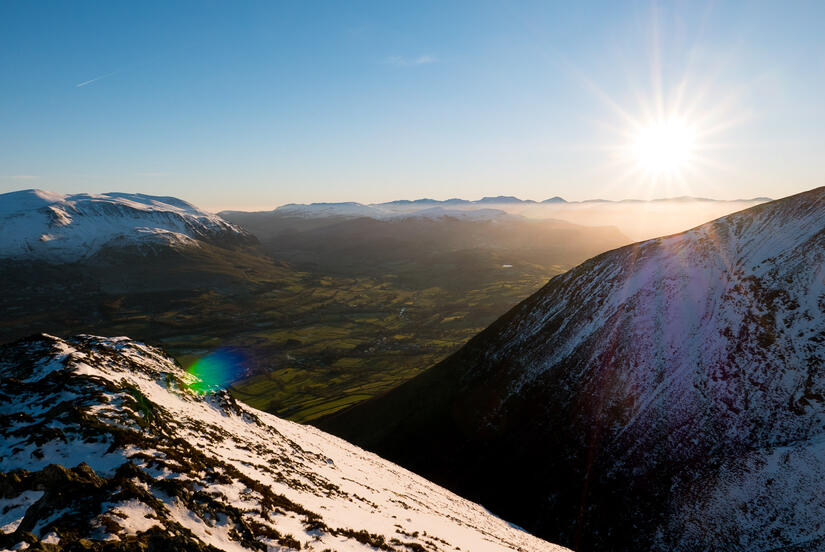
(105, 446)
(35, 224)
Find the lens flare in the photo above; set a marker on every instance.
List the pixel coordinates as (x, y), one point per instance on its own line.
(217, 370)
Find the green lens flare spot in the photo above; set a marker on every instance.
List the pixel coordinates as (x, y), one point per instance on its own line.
(216, 370)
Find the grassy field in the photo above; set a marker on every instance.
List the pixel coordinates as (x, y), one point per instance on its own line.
(352, 339)
(311, 343)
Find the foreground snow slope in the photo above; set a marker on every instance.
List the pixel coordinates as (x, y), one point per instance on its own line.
(57, 227)
(103, 440)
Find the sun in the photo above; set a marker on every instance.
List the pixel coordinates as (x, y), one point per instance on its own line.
(664, 147)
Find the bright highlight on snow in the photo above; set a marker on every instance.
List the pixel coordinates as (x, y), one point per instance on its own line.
(216, 370)
(665, 146)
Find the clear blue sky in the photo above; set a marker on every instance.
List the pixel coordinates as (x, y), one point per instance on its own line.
(254, 104)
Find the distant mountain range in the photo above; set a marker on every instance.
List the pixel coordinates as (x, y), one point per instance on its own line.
(455, 207)
(107, 444)
(637, 219)
(666, 395)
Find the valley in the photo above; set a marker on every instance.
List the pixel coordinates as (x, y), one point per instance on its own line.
(321, 319)
(311, 344)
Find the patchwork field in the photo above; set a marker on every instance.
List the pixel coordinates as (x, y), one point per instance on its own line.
(356, 338)
(308, 344)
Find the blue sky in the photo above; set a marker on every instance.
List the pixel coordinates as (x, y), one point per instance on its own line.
(254, 104)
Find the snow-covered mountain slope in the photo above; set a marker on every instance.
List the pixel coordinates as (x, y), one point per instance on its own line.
(56, 227)
(674, 390)
(104, 446)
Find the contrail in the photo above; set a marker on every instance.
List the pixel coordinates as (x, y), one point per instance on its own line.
(84, 83)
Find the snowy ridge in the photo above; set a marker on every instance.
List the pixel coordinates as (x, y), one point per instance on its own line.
(103, 440)
(721, 272)
(700, 344)
(57, 227)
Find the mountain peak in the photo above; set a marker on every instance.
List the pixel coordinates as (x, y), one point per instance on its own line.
(60, 228)
(25, 200)
(500, 199)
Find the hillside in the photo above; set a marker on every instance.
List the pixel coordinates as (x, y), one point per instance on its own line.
(106, 446)
(666, 395)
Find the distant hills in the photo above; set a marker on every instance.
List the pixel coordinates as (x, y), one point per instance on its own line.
(390, 209)
(638, 219)
(78, 261)
(424, 242)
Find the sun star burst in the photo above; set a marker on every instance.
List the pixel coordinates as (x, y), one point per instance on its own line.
(664, 147)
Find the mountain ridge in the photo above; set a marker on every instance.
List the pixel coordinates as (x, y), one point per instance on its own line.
(388, 208)
(59, 227)
(115, 451)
